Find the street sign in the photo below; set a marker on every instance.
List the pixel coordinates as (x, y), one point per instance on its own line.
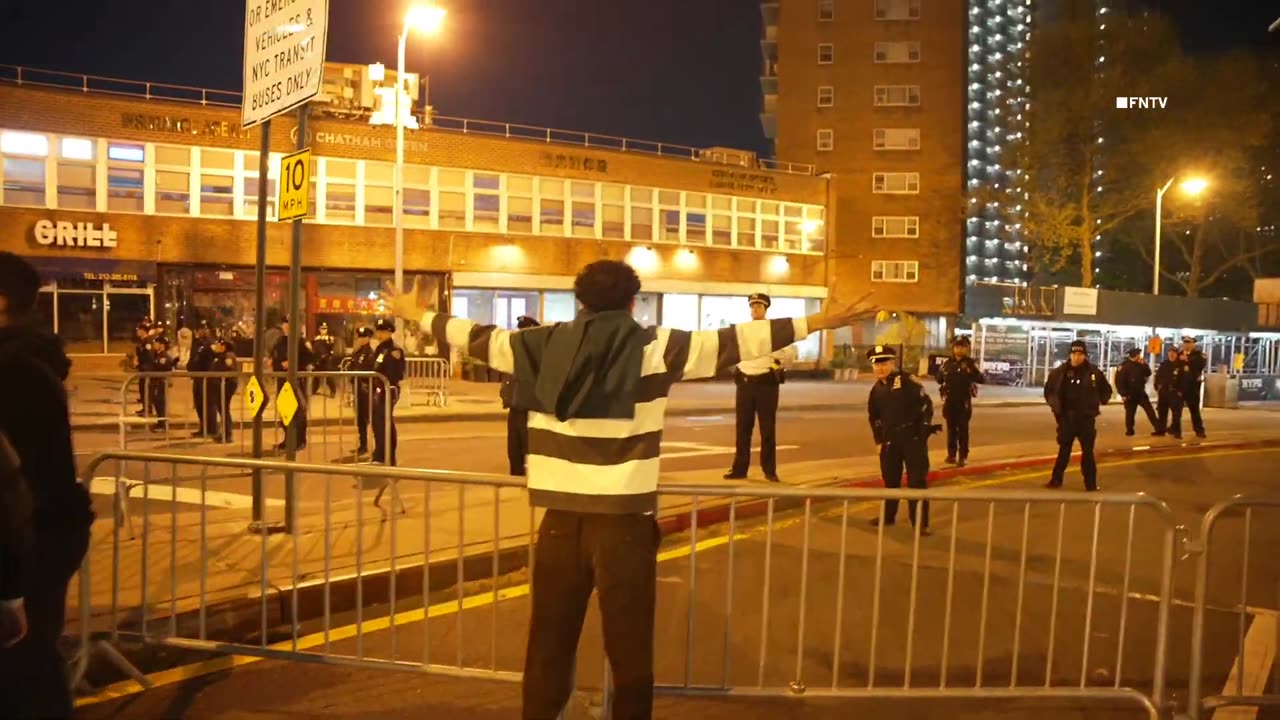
(295, 185)
(284, 48)
(253, 397)
(286, 404)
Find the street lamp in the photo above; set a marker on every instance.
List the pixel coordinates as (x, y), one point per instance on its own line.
(425, 19)
(1190, 186)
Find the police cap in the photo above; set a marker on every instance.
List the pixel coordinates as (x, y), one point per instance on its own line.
(1079, 346)
(524, 321)
(1188, 339)
(385, 325)
(1133, 352)
(961, 341)
(324, 326)
(759, 298)
(365, 332)
(880, 353)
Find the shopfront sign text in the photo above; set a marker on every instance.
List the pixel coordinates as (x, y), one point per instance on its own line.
(739, 181)
(326, 138)
(569, 161)
(178, 125)
(76, 235)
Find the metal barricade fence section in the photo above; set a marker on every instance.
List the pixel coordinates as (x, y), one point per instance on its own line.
(1016, 594)
(426, 381)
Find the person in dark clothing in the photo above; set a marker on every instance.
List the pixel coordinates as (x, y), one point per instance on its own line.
(1195, 364)
(901, 416)
(517, 419)
(159, 361)
(206, 404)
(958, 381)
(141, 359)
(1131, 385)
(388, 360)
(1169, 393)
(280, 364)
(324, 345)
(222, 390)
(362, 360)
(1075, 392)
(35, 423)
(758, 382)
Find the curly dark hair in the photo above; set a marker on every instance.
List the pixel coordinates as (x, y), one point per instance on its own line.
(606, 285)
(19, 284)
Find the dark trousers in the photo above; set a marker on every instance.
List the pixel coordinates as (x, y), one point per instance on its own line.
(300, 417)
(158, 396)
(223, 392)
(201, 405)
(517, 440)
(617, 555)
(33, 673)
(1191, 397)
(957, 414)
(1170, 403)
(1074, 428)
(363, 402)
(1131, 405)
(911, 455)
(380, 426)
(754, 399)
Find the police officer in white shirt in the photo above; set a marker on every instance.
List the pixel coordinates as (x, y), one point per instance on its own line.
(758, 382)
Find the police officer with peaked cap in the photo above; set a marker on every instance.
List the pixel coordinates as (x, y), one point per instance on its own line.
(1193, 382)
(901, 416)
(280, 364)
(362, 361)
(1075, 392)
(388, 360)
(757, 396)
(958, 381)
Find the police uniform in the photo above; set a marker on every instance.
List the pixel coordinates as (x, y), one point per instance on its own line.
(205, 404)
(1195, 364)
(323, 345)
(757, 384)
(221, 391)
(1169, 394)
(389, 361)
(279, 357)
(1075, 394)
(142, 358)
(958, 381)
(1131, 384)
(901, 416)
(362, 360)
(517, 418)
(158, 361)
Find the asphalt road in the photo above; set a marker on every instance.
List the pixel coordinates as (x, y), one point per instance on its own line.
(973, 589)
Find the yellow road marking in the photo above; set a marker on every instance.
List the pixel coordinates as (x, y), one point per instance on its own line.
(307, 642)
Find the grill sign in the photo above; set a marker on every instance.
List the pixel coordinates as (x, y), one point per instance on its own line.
(76, 235)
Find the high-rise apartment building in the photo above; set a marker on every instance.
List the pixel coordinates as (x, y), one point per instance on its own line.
(873, 93)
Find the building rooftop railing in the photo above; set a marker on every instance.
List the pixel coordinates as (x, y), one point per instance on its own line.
(17, 75)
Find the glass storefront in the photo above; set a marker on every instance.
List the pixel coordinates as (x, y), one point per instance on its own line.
(93, 304)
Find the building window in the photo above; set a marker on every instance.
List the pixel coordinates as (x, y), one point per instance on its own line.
(173, 180)
(380, 193)
(340, 190)
(669, 215)
(745, 223)
(895, 227)
(826, 96)
(217, 182)
(24, 181)
(77, 174)
(520, 204)
(900, 271)
(125, 174)
(826, 139)
(826, 10)
(453, 199)
(895, 139)
(721, 220)
(897, 9)
(895, 182)
(897, 95)
(249, 181)
(642, 214)
(551, 202)
(897, 52)
(583, 210)
(769, 225)
(486, 201)
(417, 196)
(695, 218)
(613, 212)
(826, 53)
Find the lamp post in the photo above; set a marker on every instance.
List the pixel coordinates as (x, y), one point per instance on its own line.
(1191, 186)
(426, 19)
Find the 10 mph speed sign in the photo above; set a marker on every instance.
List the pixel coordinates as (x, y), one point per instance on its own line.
(295, 186)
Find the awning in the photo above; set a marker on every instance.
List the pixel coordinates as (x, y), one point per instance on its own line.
(74, 268)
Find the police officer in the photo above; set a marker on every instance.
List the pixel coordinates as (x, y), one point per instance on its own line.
(362, 360)
(324, 345)
(1075, 391)
(221, 391)
(517, 418)
(1131, 384)
(389, 361)
(1169, 393)
(141, 358)
(202, 361)
(958, 381)
(1193, 382)
(280, 364)
(901, 416)
(757, 396)
(159, 361)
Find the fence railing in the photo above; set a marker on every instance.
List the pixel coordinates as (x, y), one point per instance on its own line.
(229, 99)
(426, 381)
(805, 602)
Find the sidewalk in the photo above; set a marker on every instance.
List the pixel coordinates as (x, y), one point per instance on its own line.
(95, 400)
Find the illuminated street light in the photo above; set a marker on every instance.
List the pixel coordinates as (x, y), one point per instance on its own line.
(1190, 186)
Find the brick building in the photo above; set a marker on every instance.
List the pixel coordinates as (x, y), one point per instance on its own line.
(134, 206)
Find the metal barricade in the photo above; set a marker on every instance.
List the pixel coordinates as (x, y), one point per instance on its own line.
(426, 381)
(1254, 625)
(1046, 617)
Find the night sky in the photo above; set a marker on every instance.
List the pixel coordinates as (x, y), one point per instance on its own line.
(681, 71)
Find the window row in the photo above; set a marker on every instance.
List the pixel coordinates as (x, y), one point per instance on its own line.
(881, 139)
(114, 176)
(884, 10)
(905, 51)
(883, 96)
(895, 226)
(899, 271)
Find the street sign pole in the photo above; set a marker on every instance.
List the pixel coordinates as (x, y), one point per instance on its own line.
(295, 322)
(260, 310)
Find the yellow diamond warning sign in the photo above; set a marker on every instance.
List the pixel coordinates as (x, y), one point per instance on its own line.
(295, 186)
(253, 397)
(286, 404)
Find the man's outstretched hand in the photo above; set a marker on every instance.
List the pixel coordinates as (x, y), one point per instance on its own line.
(409, 304)
(839, 314)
